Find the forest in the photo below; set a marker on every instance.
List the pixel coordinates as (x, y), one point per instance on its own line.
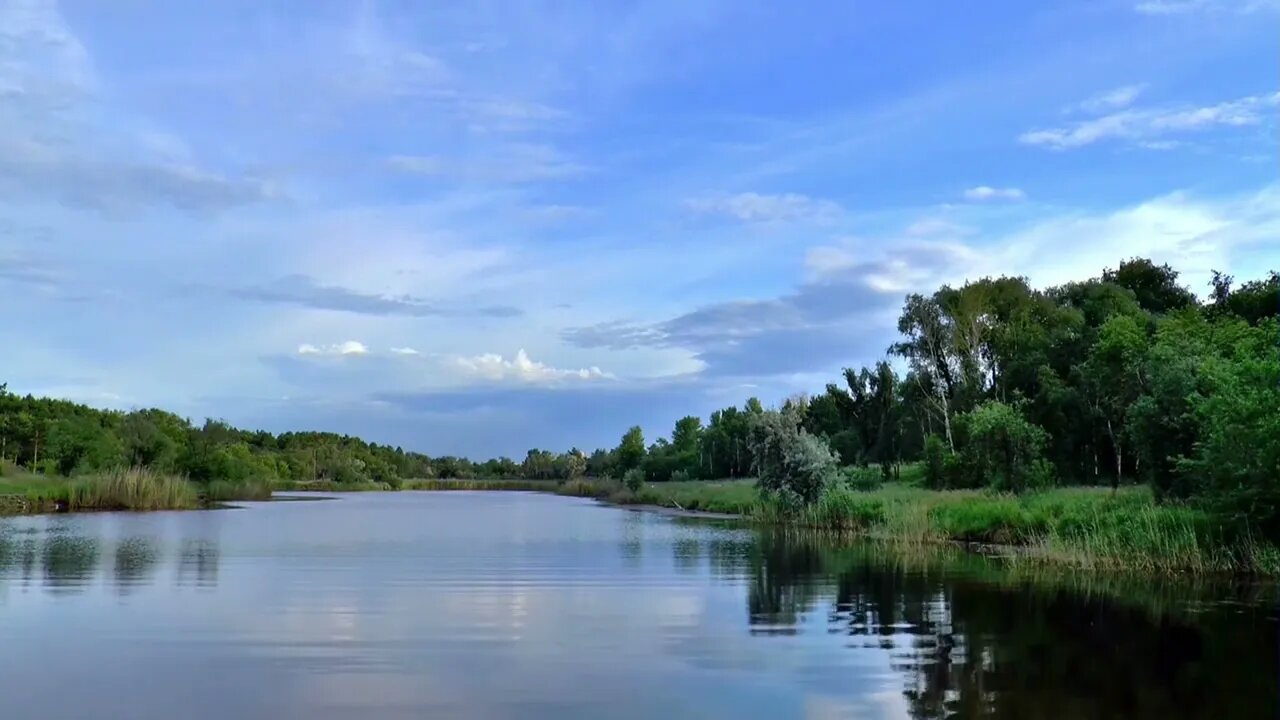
(1126, 378)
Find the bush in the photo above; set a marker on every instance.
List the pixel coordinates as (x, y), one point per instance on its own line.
(935, 462)
(633, 479)
(793, 467)
(862, 478)
(1004, 450)
(680, 476)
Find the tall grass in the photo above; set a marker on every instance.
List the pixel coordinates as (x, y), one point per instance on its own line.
(1080, 527)
(131, 489)
(225, 490)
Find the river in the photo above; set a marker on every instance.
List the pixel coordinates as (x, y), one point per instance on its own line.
(518, 605)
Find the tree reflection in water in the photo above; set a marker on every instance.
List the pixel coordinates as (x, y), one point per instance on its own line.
(972, 637)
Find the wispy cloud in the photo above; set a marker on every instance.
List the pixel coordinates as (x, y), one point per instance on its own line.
(304, 291)
(752, 207)
(506, 162)
(1139, 125)
(983, 193)
(1115, 99)
(350, 347)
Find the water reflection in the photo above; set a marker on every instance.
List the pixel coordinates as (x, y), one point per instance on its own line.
(65, 558)
(136, 560)
(970, 637)
(198, 563)
(409, 606)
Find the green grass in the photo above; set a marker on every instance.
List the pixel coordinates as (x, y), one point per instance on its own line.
(1081, 527)
(122, 489)
(327, 486)
(479, 484)
(225, 491)
(131, 489)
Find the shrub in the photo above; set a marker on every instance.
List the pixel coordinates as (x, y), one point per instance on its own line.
(633, 479)
(792, 466)
(1004, 449)
(862, 478)
(680, 476)
(935, 462)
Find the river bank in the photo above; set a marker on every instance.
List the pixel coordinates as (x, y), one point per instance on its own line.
(1081, 527)
(140, 489)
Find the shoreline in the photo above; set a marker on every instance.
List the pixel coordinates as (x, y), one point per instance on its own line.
(1083, 528)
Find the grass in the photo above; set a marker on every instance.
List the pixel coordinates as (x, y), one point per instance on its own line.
(1080, 527)
(479, 484)
(737, 497)
(225, 491)
(328, 486)
(122, 489)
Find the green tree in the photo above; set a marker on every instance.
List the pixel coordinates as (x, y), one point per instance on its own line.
(1003, 450)
(631, 450)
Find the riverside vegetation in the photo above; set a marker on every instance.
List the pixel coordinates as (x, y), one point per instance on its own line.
(1114, 421)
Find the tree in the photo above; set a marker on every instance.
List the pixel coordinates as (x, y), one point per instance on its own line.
(687, 434)
(1003, 449)
(928, 349)
(1253, 301)
(1154, 287)
(631, 450)
(1113, 379)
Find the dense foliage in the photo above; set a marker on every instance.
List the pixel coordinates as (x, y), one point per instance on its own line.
(1124, 378)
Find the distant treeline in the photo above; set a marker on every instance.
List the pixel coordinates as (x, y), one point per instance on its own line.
(1127, 377)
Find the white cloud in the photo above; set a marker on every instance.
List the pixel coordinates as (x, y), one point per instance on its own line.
(492, 366)
(983, 193)
(1144, 125)
(1194, 235)
(350, 347)
(751, 207)
(1120, 97)
(403, 351)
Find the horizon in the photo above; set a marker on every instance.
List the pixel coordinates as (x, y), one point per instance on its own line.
(474, 230)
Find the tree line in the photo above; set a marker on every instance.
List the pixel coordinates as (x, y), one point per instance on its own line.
(1123, 378)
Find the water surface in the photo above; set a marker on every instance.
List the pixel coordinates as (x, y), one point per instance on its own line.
(514, 605)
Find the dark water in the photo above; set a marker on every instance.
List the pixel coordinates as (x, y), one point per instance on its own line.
(510, 605)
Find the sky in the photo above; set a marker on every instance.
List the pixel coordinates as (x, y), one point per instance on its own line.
(481, 227)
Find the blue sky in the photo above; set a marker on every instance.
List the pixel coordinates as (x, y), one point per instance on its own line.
(482, 227)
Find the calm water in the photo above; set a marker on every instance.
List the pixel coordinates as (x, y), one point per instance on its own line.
(512, 605)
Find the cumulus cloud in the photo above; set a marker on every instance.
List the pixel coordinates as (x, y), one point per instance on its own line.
(751, 207)
(403, 351)
(984, 193)
(494, 367)
(1145, 125)
(350, 347)
(304, 291)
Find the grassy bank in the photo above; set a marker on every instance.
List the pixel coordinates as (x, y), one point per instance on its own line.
(1078, 527)
(481, 484)
(121, 489)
